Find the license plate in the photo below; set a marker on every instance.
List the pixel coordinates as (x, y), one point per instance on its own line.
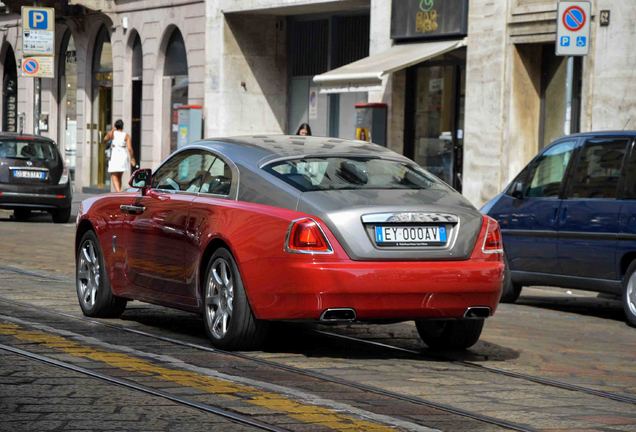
(410, 235)
(29, 174)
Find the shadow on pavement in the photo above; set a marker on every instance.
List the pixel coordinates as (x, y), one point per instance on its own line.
(302, 339)
(588, 306)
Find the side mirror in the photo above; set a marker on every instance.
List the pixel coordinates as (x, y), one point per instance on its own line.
(141, 179)
(517, 190)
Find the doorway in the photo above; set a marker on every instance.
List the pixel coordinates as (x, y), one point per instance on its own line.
(102, 108)
(136, 87)
(434, 120)
(176, 72)
(67, 104)
(10, 92)
(105, 120)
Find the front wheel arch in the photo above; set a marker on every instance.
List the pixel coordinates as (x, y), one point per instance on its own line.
(628, 296)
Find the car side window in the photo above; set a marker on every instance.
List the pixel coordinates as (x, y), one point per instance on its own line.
(184, 172)
(598, 169)
(547, 175)
(218, 179)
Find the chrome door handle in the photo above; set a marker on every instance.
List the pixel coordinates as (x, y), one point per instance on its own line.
(132, 209)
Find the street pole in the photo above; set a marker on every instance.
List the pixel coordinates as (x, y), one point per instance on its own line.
(569, 87)
(37, 102)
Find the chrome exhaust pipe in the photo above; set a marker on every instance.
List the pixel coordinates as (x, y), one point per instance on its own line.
(477, 312)
(338, 314)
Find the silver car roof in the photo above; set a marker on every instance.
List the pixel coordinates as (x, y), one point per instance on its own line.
(259, 150)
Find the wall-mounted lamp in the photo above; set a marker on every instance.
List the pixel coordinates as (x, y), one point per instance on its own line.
(124, 23)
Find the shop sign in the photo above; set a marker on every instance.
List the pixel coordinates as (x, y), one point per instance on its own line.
(423, 19)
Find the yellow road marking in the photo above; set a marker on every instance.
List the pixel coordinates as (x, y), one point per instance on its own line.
(276, 402)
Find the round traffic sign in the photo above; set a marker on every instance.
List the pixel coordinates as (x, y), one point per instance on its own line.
(574, 18)
(30, 66)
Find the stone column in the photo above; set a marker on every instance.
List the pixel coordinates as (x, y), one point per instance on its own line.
(485, 107)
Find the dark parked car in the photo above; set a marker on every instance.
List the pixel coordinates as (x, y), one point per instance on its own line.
(33, 177)
(569, 218)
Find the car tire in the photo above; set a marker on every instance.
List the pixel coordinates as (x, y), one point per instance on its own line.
(21, 214)
(61, 215)
(228, 318)
(93, 287)
(629, 294)
(510, 291)
(455, 334)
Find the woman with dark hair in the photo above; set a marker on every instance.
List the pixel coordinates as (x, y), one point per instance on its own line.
(120, 153)
(304, 129)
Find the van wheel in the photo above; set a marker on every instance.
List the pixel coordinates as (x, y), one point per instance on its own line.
(455, 334)
(227, 316)
(510, 291)
(629, 294)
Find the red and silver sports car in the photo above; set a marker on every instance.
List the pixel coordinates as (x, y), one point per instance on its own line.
(256, 229)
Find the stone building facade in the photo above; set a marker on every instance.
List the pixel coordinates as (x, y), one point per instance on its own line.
(130, 60)
(506, 87)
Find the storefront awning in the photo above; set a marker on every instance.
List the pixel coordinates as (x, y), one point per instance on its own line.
(367, 74)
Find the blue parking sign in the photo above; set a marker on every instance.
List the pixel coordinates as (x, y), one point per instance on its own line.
(38, 19)
(581, 41)
(565, 41)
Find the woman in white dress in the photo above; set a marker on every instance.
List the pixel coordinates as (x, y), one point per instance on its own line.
(121, 154)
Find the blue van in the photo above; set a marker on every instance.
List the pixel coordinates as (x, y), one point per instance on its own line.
(569, 218)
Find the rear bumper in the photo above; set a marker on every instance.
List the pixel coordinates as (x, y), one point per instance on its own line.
(298, 290)
(41, 197)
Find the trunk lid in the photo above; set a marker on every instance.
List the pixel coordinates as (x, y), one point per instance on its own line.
(415, 219)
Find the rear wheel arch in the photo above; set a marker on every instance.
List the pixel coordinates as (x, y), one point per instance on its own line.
(212, 247)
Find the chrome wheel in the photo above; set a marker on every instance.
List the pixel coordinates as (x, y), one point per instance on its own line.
(630, 294)
(88, 274)
(219, 298)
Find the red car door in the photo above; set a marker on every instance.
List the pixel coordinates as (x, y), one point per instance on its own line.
(156, 235)
(155, 244)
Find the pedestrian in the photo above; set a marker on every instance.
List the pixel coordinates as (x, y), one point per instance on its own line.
(304, 129)
(120, 153)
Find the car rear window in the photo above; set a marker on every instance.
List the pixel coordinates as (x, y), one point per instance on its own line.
(336, 173)
(18, 149)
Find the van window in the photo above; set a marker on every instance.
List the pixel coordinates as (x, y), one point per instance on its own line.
(630, 176)
(546, 178)
(598, 169)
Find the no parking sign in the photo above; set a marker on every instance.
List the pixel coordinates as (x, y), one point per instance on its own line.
(573, 28)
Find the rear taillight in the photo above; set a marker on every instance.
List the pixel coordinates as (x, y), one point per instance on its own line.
(492, 243)
(64, 176)
(306, 236)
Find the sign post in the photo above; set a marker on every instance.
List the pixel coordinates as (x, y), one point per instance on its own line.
(573, 39)
(38, 50)
(38, 42)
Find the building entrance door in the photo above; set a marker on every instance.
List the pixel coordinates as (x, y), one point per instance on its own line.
(434, 129)
(135, 127)
(104, 118)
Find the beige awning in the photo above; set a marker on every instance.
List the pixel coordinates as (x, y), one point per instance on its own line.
(367, 74)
